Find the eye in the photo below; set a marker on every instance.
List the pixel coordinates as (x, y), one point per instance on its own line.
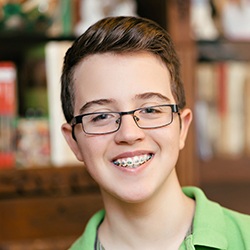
(151, 110)
(100, 117)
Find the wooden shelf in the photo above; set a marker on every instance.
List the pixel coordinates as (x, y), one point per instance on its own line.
(15, 51)
(225, 170)
(231, 195)
(48, 181)
(30, 37)
(43, 217)
(37, 204)
(39, 244)
(223, 50)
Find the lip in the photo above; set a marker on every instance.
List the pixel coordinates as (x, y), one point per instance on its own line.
(132, 154)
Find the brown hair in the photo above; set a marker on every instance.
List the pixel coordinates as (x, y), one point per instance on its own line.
(120, 35)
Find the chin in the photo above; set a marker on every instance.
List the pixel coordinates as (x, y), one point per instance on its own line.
(133, 197)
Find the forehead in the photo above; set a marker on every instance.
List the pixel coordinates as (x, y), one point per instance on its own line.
(120, 77)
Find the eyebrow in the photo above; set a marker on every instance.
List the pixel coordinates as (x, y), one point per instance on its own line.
(150, 95)
(95, 102)
(143, 96)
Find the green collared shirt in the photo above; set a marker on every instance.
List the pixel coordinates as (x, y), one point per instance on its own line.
(214, 227)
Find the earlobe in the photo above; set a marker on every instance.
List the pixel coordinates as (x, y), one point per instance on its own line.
(185, 119)
(67, 132)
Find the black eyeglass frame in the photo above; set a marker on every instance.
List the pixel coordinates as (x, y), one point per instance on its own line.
(78, 119)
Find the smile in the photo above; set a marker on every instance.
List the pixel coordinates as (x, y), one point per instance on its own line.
(133, 162)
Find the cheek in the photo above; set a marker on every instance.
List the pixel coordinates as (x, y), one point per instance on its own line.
(169, 137)
(90, 155)
(171, 153)
(94, 154)
(89, 148)
(93, 150)
(169, 143)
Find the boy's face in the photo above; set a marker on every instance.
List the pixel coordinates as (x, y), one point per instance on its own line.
(109, 82)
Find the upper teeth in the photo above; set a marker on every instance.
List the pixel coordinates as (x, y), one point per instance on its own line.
(133, 162)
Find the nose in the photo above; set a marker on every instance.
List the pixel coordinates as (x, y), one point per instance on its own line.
(129, 132)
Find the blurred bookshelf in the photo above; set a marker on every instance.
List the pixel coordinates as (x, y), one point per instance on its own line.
(222, 83)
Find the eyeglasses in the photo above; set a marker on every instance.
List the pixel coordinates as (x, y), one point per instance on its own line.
(99, 123)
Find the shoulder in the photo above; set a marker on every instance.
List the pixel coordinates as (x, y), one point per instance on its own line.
(215, 225)
(238, 225)
(87, 240)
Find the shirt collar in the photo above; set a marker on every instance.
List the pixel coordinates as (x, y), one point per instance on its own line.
(209, 226)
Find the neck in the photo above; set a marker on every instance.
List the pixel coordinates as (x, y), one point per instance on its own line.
(161, 221)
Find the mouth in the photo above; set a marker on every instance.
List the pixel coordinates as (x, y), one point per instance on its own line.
(133, 162)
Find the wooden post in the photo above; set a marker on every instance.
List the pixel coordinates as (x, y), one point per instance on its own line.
(178, 25)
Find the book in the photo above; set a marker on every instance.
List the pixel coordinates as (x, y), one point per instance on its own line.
(221, 81)
(234, 119)
(33, 83)
(7, 113)
(247, 110)
(32, 143)
(60, 152)
(206, 109)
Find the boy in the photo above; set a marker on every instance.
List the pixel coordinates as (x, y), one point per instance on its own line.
(124, 104)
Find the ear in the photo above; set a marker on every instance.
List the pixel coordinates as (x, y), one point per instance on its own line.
(67, 132)
(186, 119)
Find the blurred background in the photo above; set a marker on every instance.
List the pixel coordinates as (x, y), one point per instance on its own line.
(46, 196)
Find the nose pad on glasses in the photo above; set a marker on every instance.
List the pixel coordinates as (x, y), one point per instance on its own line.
(137, 119)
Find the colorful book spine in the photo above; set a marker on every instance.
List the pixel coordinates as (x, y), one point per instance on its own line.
(7, 114)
